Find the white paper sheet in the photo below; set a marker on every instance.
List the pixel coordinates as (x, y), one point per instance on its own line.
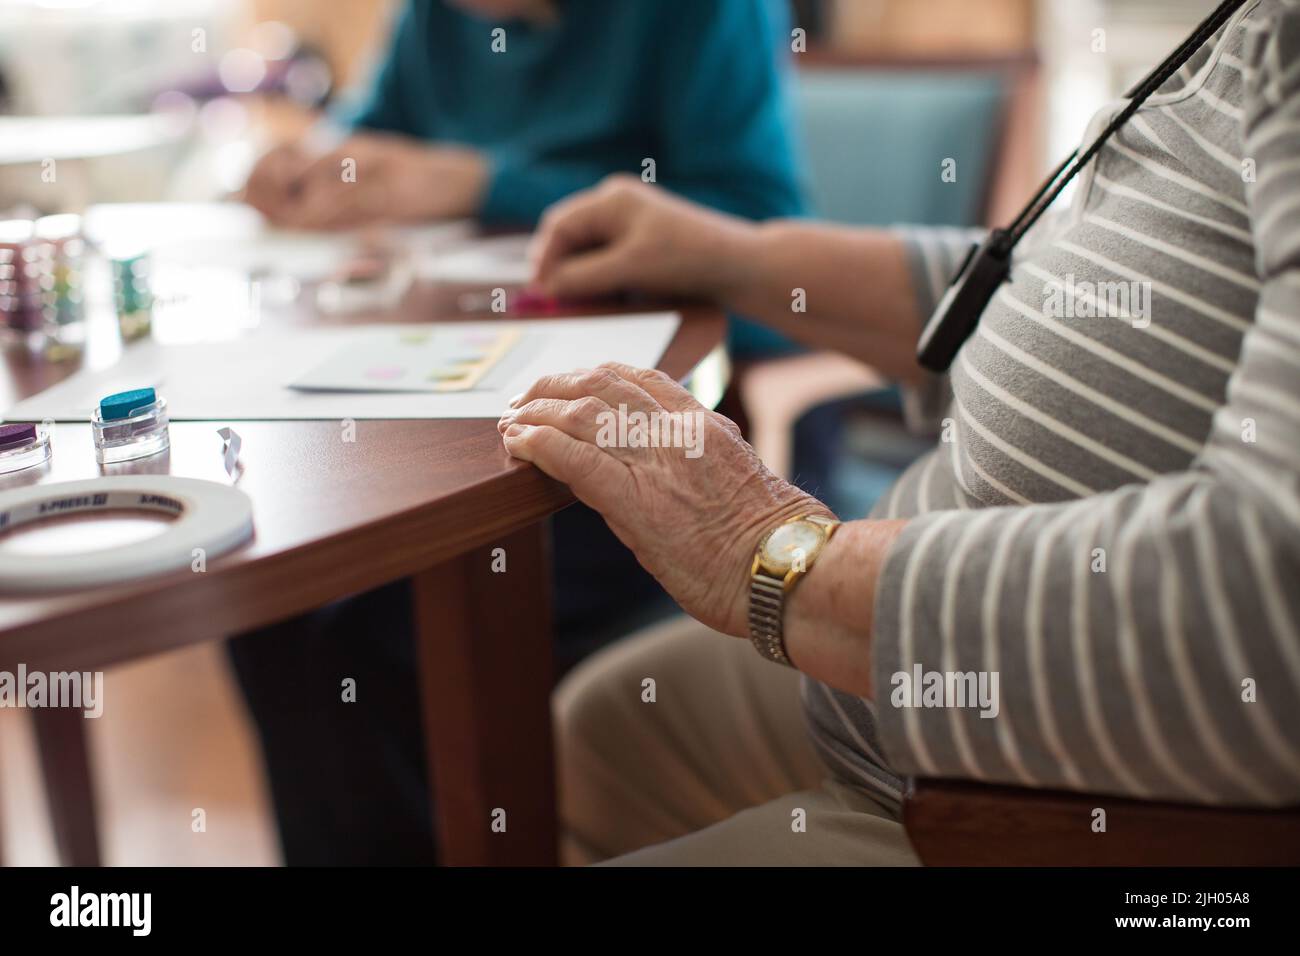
(445, 359)
(247, 378)
(494, 261)
(234, 237)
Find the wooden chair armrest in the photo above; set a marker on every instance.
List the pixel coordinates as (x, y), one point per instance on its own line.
(952, 823)
(770, 395)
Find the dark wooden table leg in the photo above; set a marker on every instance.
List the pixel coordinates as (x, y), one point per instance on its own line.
(486, 668)
(69, 789)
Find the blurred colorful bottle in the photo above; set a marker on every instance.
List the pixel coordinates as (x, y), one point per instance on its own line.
(60, 239)
(132, 292)
(42, 306)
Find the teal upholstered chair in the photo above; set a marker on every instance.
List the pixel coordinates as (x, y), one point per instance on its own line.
(876, 139)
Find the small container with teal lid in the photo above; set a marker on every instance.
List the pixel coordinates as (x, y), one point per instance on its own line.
(130, 425)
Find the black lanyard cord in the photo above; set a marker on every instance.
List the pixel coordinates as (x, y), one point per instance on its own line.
(988, 266)
(1066, 172)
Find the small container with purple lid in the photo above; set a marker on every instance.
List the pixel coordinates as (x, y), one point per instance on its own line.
(22, 445)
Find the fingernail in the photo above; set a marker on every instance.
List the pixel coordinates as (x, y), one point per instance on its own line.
(516, 431)
(514, 402)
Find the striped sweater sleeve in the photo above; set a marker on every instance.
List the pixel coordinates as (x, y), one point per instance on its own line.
(1145, 641)
(933, 255)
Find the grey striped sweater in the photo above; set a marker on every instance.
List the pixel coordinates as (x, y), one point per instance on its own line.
(1111, 519)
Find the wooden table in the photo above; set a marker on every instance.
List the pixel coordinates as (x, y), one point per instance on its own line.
(428, 500)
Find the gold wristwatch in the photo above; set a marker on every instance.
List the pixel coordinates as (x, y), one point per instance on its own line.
(784, 556)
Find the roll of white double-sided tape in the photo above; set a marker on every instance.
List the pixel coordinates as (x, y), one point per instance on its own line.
(208, 515)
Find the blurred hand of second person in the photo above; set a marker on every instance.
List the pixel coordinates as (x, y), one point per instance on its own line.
(369, 178)
(271, 186)
(626, 235)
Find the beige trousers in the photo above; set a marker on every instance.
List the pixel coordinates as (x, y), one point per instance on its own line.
(680, 746)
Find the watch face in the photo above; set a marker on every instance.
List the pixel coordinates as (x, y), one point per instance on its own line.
(790, 542)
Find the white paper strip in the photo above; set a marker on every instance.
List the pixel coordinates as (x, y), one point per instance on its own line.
(246, 378)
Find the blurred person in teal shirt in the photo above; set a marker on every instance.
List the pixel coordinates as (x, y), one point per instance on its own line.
(498, 108)
(464, 121)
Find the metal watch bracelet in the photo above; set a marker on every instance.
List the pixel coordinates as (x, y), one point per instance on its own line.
(766, 604)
